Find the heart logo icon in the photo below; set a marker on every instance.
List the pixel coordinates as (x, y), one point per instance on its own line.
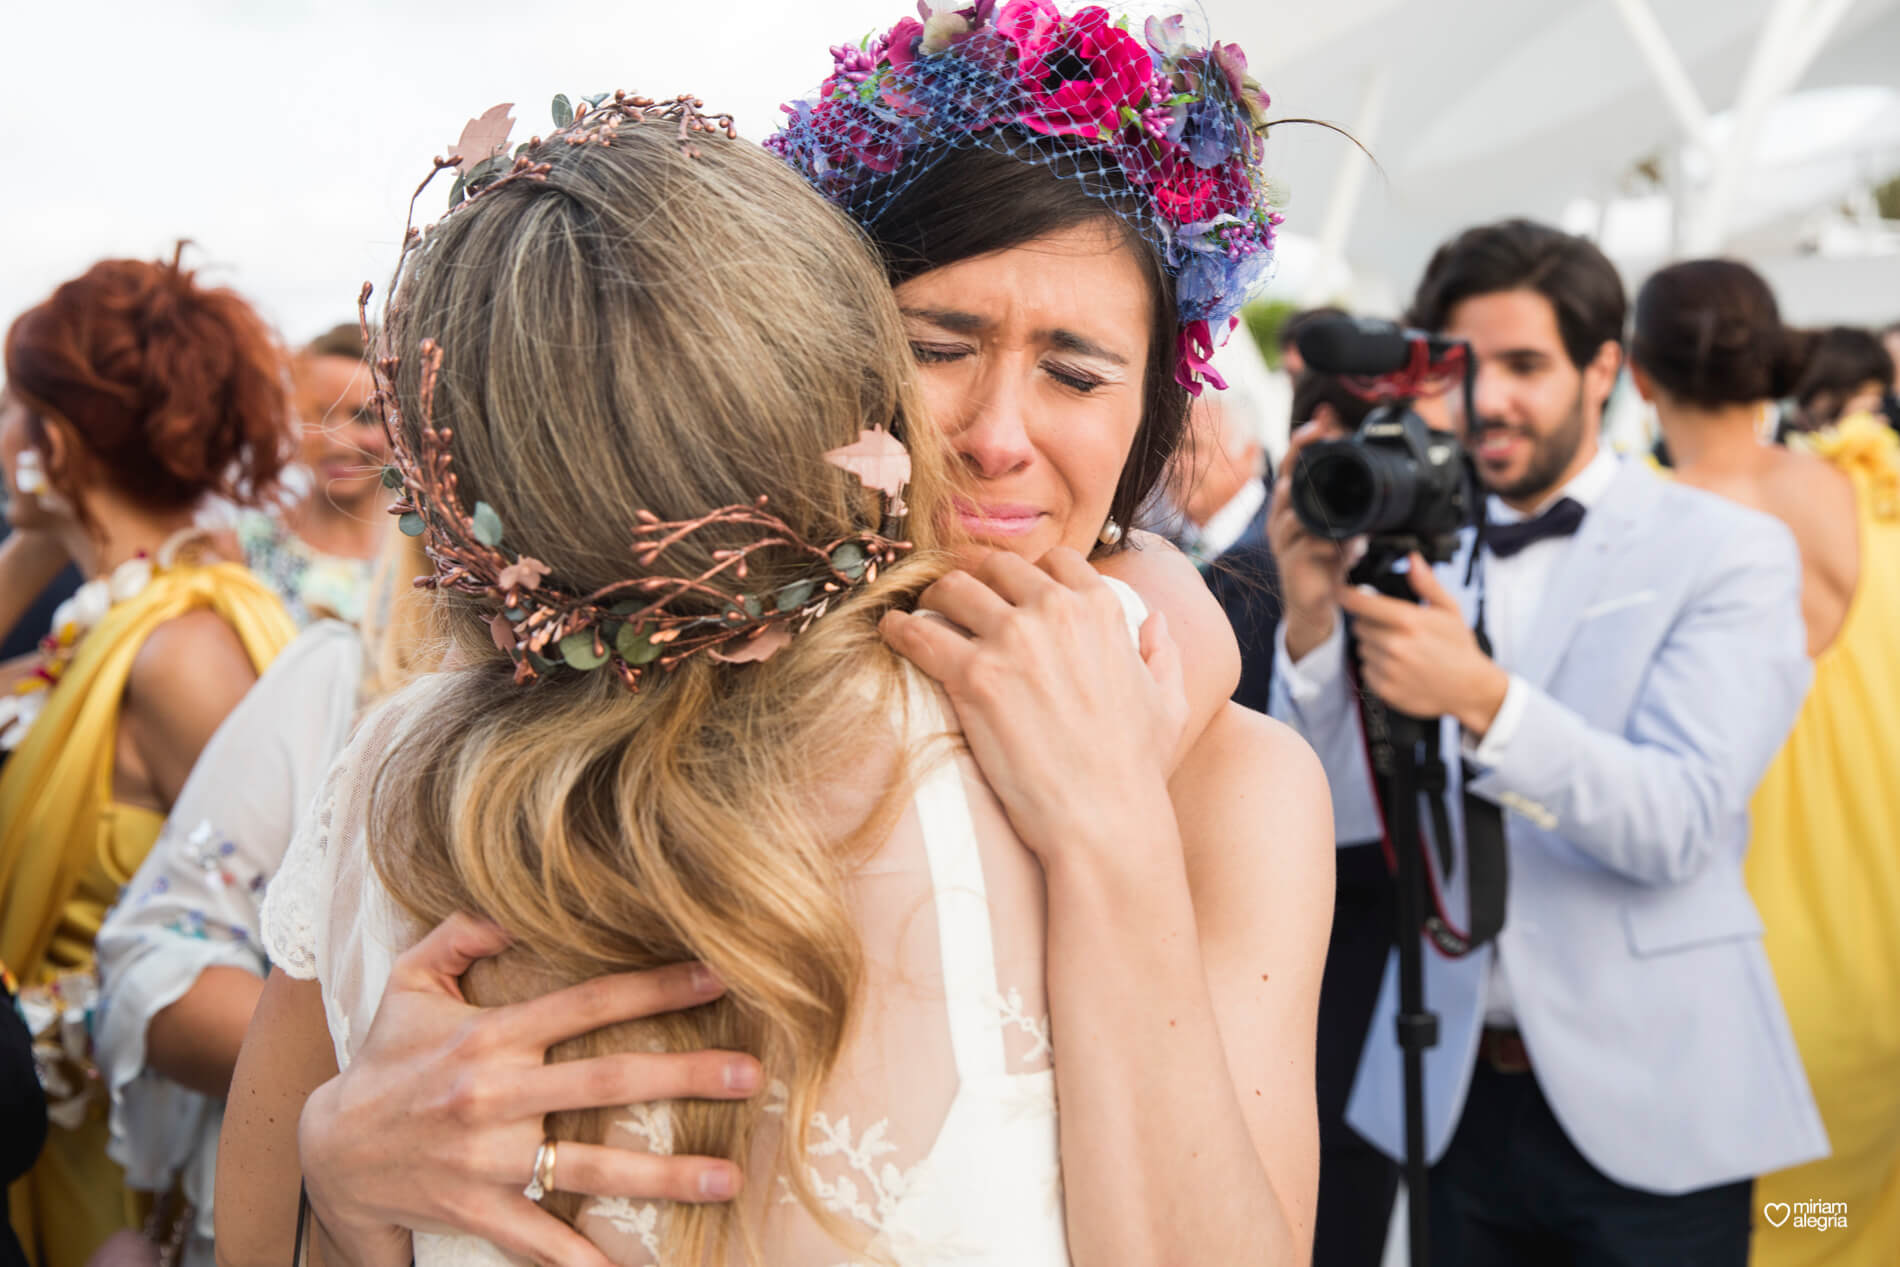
(1776, 1212)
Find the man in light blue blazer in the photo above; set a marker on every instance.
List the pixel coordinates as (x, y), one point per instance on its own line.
(1615, 1069)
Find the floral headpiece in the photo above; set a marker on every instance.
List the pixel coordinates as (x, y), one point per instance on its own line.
(630, 625)
(1183, 124)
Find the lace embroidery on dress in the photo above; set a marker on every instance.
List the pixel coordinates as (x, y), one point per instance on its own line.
(296, 899)
(642, 1220)
(1009, 1009)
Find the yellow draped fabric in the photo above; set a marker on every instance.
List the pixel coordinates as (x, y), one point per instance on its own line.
(1824, 867)
(66, 848)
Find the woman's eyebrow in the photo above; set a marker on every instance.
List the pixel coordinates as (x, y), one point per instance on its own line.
(950, 319)
(1070, 341)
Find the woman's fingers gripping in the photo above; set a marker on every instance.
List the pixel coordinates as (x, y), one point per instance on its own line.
(634, 1078)
(580, 1009)
(436, 963)
(604, 1171)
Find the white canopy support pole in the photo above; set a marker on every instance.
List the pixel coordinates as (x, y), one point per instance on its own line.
(1677, 88)
(1794, 34)
(1824, 17)
(1348, 185)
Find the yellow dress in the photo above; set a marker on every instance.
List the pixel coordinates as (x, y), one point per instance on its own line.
(1824, 867)
(66, 848)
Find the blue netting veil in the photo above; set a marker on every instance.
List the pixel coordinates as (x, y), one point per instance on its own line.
(1165, 130)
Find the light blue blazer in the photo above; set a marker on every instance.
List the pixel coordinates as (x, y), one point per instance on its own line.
(1665, 667)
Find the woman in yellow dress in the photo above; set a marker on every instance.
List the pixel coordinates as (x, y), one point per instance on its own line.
(1823, 865)
(133, 394)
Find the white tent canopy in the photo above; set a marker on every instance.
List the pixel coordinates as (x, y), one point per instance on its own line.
(1478, 109)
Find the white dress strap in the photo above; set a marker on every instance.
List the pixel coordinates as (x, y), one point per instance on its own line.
(965, 942)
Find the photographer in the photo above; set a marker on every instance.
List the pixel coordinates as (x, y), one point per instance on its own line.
(1614, 1069)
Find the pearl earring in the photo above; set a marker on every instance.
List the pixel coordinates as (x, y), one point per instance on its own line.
(1111, 533)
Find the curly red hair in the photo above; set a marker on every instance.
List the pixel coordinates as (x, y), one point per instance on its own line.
(174, 391)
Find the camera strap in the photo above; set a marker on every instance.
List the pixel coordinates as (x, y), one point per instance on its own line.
(1422, 773)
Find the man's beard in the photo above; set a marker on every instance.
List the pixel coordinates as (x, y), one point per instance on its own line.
(1551, 456)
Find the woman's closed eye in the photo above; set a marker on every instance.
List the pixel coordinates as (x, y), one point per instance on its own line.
(1075, 379)
(938, 353)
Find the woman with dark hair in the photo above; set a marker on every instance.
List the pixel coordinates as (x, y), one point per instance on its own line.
(1844, 371)
(1710, 352)
(143, 394)
(1064, 274)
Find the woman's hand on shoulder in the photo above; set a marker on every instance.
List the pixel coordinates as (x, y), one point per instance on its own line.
(1168, 582)
(1069, 721)
(436, 1122)
(185, 680)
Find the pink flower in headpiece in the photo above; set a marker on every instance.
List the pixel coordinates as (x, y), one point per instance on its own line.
(1079, 73)
(1185, 193)
(902, 43)
(847, 133)
(1194, 365)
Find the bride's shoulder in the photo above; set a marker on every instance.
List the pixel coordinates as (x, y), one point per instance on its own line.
(1254, 805)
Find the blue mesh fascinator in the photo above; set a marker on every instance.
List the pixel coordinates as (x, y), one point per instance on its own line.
(1085, 96)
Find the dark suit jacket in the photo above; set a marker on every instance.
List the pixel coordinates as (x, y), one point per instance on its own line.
(1246, 583)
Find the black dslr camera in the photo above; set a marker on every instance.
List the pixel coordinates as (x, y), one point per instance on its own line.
(1396, 481)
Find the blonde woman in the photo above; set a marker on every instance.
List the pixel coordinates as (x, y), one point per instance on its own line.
(896, 935)
(181, 956)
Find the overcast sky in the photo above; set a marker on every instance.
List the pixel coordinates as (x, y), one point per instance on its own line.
(284, 137)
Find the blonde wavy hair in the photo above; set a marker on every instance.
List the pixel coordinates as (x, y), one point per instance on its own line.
(647, 331)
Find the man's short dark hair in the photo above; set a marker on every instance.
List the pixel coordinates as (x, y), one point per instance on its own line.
(1578, 280)
(1311, 389)
(1291, 328)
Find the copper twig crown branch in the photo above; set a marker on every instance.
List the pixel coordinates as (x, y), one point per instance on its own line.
(628, 625)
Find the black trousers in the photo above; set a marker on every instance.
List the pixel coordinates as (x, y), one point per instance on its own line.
(1357, 1182)
(1512, 1190)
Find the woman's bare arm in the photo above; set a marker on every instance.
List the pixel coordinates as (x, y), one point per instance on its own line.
(287, 1054)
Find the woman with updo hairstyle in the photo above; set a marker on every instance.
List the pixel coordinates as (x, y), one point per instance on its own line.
(137, 395)
(1710, 353)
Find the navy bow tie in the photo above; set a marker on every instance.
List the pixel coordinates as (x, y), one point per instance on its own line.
(1561, 520)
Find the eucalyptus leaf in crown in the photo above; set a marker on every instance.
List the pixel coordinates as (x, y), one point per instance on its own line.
(1083, 92)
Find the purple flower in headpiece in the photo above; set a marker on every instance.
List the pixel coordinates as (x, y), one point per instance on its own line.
(1078, 73)
(1185, 193)
(1251, 96)
(1206, 128)
(1167, 36)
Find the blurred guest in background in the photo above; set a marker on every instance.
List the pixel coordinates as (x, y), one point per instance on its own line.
(27, 606)
(1890, 339)
(1846, 370)
(318, 550)
(1289, 337)
(1709, 351)
(22, 1108)
(144, 394)
(1217, 485)
(1243, 577)
(181, 958)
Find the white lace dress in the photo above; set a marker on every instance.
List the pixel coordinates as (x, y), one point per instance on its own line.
(937, 1141)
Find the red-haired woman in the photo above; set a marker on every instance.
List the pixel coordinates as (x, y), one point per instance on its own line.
(134, 394)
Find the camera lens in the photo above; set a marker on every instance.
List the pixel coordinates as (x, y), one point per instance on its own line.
(1344, 489)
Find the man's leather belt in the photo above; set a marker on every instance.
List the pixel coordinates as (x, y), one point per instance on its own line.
(1504, 1050)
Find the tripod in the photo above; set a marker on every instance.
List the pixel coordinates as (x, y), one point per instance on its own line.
(1406, 761)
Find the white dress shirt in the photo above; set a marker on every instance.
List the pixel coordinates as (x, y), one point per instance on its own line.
(1513, 590)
